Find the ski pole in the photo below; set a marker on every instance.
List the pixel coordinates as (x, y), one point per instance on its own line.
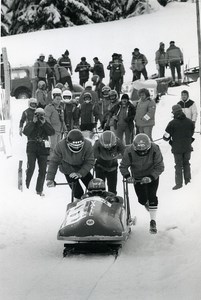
(158, 139)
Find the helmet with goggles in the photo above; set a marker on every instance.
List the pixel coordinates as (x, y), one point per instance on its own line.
(67, 96)
(75, 140)
(87, 97)
(141, 144)
(113, 95)
(108, 139)
(105, 91)
(96, 185)
(56, 92)
(32, 103)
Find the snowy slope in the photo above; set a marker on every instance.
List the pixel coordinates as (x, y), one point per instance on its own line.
(161, 267)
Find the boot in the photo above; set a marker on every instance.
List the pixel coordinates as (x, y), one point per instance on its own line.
(177, 186)
(153, 228)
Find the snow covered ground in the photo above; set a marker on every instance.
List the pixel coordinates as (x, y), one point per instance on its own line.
(151, 267)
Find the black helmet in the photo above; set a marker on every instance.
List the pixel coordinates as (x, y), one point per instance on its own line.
(141, 144)
(87, 97)
(108, 139)
(95, 79)
(96, 184)
(75, 140)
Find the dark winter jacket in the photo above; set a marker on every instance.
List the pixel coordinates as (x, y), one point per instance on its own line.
(106, 159)
(150, 165)
(83, 68)
(69, 162)
(117, 70)
(179, 132)
(37, 134)
(71, 115)
(130, 113)
(27, 116)
(189, 109)
(89, 113)
(98, 69)
(65, 62)
(51, 63)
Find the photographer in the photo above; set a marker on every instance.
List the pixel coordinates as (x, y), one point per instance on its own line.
(38, 148)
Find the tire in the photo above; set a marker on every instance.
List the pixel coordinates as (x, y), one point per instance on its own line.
(22, 94)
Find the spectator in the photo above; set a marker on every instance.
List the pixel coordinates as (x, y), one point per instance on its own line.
(161, 60)
(175, 60)
(83, 68)
(106, 152)
(179, 132)
(74, 155)
(41, 69)
(145, 161)
(28, 114)
(123, 113)
(71, 111)
(98, 69)
(109, 122)
(63, 70)
(117, 71)
(145, 113)
(51, 81)
(188, 106)
(55, 116)
(138, 65)
(88, 89)
(41, 94)
(38, 148)
(89, 113)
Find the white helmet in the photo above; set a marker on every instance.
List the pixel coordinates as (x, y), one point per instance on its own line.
(67, 96)
(32, 103)
(56, 92)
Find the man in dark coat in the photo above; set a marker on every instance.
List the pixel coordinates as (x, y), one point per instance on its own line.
(83, 68)
(98, 68)
(179, 133)
(38, 148)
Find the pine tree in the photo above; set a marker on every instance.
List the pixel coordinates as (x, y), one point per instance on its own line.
(33, 15)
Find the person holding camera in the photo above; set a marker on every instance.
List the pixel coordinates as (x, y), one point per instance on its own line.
(38, 148)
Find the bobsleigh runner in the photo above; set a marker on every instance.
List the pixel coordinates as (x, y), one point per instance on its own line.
(98, 223)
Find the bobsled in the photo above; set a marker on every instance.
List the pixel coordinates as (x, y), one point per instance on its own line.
(97, 219)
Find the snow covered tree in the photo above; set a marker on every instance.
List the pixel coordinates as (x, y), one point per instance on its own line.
(33, 15)
(5, 18)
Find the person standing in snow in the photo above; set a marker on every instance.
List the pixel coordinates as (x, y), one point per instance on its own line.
(107, 150)
(28, 114)
(188, 106)
(117, 72)
(161, 60)
(145, 161)
(138, 65)
(179, 132)
(175, 61)
(98, 69)
(83, 68)
(38, 148)
(145, 113)
(123, 113)
(74, 157)
(51, 74)
(63, 70)
(41, 94)
(55, 116)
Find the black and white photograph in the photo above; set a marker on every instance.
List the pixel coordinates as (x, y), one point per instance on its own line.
(100, 142)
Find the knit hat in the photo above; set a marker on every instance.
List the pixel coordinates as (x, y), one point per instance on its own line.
(176, 108)
(172, 42)
(125, 96)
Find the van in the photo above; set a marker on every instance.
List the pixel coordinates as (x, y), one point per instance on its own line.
(21, 82)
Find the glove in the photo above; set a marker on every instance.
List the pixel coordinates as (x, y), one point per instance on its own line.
(145, 180)
(75, 175)
(130, 179)
(20, 131)
(50, 183)
(181, 63)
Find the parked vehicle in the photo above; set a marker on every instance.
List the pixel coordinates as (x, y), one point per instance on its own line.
(21, 82)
